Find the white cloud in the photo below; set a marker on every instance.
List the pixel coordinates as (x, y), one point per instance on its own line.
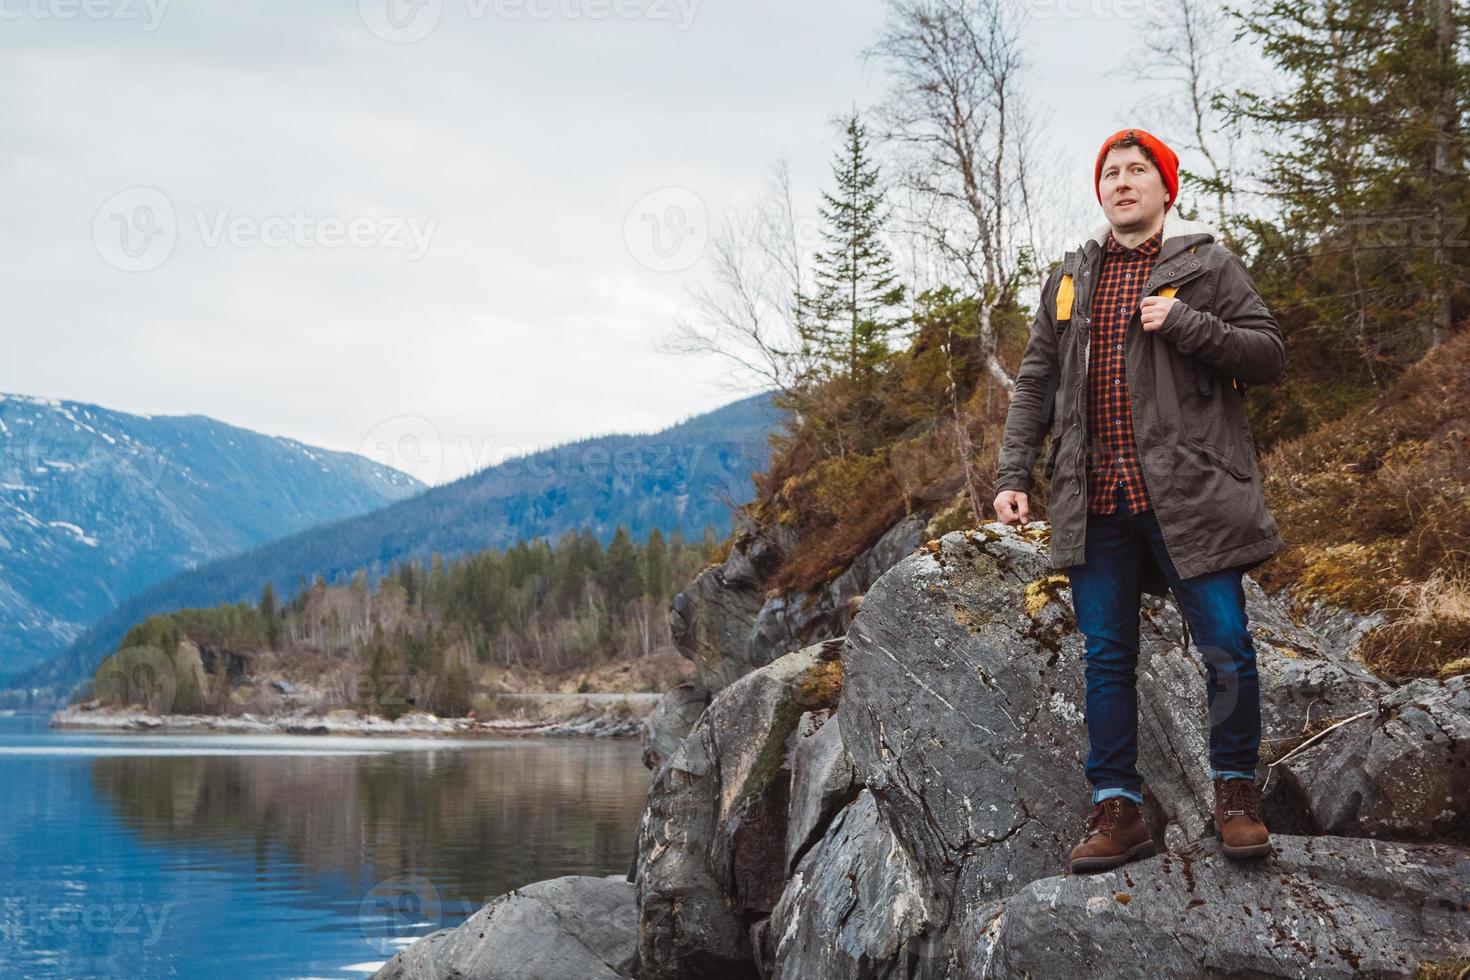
(527, 321)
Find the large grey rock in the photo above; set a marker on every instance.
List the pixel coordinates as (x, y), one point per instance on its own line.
(1322, 907)
(1310, 675)
(823, 781)
(1402, 772)
(858, 905)
(571, 928)
(791, 621)
(963, 711)
(726, 624)
(1340, 627)
(667, 725)
(711, 621)
(712, 840)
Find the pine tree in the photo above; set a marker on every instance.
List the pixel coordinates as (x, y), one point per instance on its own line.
(1368, 166)
(622, 580)
(857, 290)
(271, 615)
(656, 566)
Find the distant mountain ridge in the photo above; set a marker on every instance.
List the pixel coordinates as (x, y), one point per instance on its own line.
(96, 505)
(685, 477)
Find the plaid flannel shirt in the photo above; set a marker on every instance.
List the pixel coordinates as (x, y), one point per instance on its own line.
(1112, 461)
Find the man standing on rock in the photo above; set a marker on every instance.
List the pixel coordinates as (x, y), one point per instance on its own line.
(1153, 476)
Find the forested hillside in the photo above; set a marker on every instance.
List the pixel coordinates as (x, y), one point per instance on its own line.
(687, 478)
(432, 635)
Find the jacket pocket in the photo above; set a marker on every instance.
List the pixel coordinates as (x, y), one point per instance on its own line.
(1224, 458)
(1051, 456)
(1203, 375)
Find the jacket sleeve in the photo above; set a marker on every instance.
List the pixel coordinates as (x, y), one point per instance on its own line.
(1240, 337)
(1025, 425)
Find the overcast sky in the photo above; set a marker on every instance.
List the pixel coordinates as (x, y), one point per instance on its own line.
(341, 220)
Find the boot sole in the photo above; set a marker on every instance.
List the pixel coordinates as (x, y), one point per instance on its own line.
(1137, 852)
(1248, 851)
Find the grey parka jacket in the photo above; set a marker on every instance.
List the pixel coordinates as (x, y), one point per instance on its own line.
(1191, 433)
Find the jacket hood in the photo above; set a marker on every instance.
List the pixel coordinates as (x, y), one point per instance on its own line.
(1174, 227)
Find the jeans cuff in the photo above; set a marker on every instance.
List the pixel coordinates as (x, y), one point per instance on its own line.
(1098, 795)
(1230, 774)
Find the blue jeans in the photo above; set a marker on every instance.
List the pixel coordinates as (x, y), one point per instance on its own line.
(1106, 598)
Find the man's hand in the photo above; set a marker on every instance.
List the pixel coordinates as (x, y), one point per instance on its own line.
(1012, 507)
(1153, 310)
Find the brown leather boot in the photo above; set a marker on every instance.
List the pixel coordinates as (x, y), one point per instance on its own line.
(1237, 819)
(1115, 834)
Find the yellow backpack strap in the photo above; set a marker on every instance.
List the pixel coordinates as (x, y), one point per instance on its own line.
(1066, 293)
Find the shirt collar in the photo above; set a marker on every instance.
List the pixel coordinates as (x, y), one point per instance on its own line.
(1149, 246)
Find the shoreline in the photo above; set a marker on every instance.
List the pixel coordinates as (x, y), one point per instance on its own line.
(592, 717)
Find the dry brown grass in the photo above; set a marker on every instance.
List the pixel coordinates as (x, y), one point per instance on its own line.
(825, 551)
(1444, 970)
(1375, 510)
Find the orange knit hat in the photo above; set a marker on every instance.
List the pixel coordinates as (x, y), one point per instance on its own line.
(1166, 158)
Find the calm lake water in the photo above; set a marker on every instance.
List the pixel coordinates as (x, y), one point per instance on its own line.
(280, 856)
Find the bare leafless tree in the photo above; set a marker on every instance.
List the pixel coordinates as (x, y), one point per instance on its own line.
(958, 118)
(750, 310)
(1195, 61)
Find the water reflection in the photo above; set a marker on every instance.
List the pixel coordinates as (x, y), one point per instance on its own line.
(278, 860)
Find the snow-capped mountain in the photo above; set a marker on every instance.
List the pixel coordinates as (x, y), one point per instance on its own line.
(96, 505)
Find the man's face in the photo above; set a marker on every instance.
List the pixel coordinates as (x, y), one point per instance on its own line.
(1132, 190)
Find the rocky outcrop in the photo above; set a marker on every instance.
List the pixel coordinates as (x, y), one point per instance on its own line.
(725, 623)
(712, 841)
(823, 781)
(899, 804)
(570, 928)
(1401, 770)
(1325, 907)
(962, 709)
(857, 905)
(668, 724)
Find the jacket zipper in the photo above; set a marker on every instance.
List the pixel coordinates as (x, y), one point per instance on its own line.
(1082, 401)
